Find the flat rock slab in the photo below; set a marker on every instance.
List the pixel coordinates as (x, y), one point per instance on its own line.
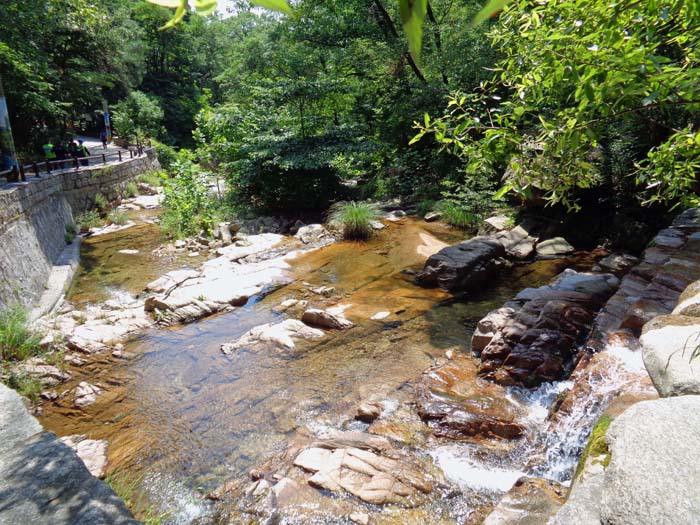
(531, 501)
(375, 477)
(43, 481)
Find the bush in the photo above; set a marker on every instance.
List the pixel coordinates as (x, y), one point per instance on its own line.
(166, 155)
(17, 340)
(118, 217)
(188, 207)
(457, 216)
(24, 384)
(101, 203)
(131, 190)
(354, 218)
(153, 178)
(71, 232)
(89, 219)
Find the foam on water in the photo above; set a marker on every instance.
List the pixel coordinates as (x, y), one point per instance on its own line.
(628, 358)
(179, 504)
(460, 467)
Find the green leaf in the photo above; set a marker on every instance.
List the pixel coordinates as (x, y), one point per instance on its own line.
(205, 7)
(166, 3)
(274, 5)
(502, 192)
(490, 9)
(180, 13)
(416, 138)
(412, 16)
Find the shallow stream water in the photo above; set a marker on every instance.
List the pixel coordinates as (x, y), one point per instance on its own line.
(180, 417)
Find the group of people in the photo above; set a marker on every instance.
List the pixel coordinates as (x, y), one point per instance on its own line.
(72, 150)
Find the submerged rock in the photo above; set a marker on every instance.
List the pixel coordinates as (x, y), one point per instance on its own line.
(326, 319)
(278, 335)
(86, 394)
(469, 265)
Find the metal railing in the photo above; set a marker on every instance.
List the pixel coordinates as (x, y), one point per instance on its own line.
(20, 172)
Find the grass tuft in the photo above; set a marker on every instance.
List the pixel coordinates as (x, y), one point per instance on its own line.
(354, 218)
(17, 340)
(457, 216)
(117, 217)
(89, 219)
(131, 190)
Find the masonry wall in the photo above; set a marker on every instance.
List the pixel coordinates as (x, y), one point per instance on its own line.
(34, 216)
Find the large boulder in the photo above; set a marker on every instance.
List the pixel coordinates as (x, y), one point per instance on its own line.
(653, 476)
(43, 481)
(517, 242)
(669, 344)
(469, 265)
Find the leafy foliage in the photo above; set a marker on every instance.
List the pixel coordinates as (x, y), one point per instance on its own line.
(572, 69)
(138, 116)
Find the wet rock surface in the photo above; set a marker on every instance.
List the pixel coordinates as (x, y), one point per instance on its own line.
(468, 265)
(534, 338)
(531, 501)
(456, 404)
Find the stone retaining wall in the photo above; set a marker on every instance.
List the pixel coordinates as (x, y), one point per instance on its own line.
(34, 215)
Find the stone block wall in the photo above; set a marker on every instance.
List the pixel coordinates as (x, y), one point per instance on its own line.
(34, 216)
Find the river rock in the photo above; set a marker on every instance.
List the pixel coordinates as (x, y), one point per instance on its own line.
(554, 247)
(432, 216)
(456, 404)
(517, 242)
(534, 339)
(278, 335)
(223, 282)
(373, 477)
(311, 233)
(495, 224)
(617, 263)
(469, 265)
(48, 375)
(86, 394)
(368, 411)
(326, 319)
(689, 301)
(653, 477)
(668, 342)
(93, 452)
(531, 501)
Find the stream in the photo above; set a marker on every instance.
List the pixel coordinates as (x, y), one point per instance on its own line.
(181, 418)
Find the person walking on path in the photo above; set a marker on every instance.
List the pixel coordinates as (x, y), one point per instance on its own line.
(83, 152)
(103, 138)
(49, 153)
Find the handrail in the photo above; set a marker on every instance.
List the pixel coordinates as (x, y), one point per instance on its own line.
(19, 172)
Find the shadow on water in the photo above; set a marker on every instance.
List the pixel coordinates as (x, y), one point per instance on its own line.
(178, 410)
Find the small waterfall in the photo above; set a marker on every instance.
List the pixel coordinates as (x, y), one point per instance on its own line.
(560, 444)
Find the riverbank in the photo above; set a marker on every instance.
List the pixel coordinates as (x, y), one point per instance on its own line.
(339, 373)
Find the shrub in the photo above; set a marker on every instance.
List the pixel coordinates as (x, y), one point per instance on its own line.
(425, 207)
(117, 217)
(153, 178)
(24, 384)
(188, 207)
(457, 216)
(166, 155)
(354, 218)
(17, 340)
(131, 190)
(71, 232)
(101, 203)
(89, 219)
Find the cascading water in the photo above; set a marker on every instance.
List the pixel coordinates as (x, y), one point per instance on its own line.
(563, 441)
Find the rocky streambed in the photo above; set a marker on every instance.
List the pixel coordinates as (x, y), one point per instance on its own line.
(314, 381)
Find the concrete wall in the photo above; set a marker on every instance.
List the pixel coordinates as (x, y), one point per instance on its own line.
(34, 216)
